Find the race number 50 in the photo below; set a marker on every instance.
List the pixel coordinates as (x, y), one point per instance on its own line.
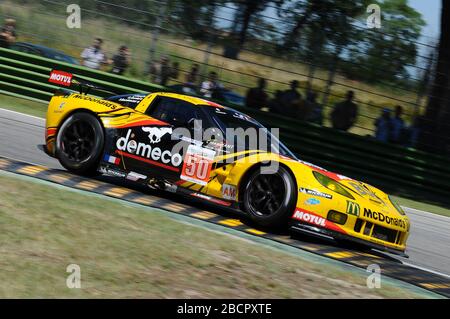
(197, 164)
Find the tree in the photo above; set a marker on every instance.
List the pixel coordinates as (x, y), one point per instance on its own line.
(327, 16)
(196, 17)
(390, 49)
(246, 10)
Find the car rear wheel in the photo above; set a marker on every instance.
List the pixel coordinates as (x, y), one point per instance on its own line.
(79, 143)
(269, 199)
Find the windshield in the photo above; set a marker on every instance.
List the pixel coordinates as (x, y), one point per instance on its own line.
(247, 133)
(234, 98)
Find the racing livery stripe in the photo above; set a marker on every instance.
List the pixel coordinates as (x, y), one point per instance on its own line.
(149, 161)
(211, 199)
(214, 104)
(113, 111)
(235, 158)
(51, 131)
(143, 122)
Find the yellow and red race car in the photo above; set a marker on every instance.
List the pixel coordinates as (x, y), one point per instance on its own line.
(183, 144)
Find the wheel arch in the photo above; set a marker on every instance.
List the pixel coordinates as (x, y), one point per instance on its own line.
(251, 170)
(79, 110)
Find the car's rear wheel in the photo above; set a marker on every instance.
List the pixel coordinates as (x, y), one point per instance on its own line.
(269, 199)
(79, 143)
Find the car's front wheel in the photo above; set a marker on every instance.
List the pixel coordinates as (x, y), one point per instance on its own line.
(79, 143)
(270, 199)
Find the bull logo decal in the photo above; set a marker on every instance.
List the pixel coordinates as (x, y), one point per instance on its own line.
(155, 133)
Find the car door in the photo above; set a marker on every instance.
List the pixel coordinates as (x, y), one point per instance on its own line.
(159, 149)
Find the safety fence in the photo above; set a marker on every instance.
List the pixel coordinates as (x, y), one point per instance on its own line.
(155, 29)
(396, 169)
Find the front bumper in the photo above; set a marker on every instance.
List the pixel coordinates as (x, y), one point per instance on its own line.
(330, 234)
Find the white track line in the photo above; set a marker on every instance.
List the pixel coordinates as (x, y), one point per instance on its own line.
(413, 210)
(426, 269)
(22, 114)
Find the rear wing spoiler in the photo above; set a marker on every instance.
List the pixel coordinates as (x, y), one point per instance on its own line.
(66, 79)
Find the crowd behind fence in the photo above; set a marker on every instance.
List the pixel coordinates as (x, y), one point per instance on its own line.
(167, 56)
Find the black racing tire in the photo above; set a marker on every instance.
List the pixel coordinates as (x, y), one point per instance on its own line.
(79, 143)
(270, 199)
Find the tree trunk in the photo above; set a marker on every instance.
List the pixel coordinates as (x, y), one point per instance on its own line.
(249, 10)
(331, 75)
(233, 47)
(293, 36)
(437, 105)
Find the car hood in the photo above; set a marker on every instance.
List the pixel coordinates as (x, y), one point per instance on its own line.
(368, 195)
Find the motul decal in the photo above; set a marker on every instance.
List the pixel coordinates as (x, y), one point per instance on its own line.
(314, 219)
(60, 77)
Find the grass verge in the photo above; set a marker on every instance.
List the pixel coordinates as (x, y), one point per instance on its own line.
(125, 252)
(23, 106)
(422, 206)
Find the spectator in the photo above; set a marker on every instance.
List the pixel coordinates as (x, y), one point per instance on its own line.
(383, 126)
(414, 131)
(153, 71)
(344, 114)
(256, 97)
(175, 72)
(192, 76)
(8, 34)
(121, 60)
(93, 57)
(291, 100)
(161, 72)
(398, 126)
(208, 87)
(314, 109)
(275, 104)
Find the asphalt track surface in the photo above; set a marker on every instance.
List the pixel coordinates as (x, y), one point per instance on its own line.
(428, 244)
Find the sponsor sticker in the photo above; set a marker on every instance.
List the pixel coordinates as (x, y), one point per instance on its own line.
(144, 150)
(111, 159)
(197, 164)
(133, 176)
(312, 201)
(112, 172)
(229, 191)
(156, 133)
(309, 218)
(353, 208)
(315, 193)
(60, 78)
(172, 188)
(106, 103)
(384, 218)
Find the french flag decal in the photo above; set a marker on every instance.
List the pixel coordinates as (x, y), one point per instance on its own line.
(111, 159)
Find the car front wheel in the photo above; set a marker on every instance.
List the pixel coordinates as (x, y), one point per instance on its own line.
(270, 199)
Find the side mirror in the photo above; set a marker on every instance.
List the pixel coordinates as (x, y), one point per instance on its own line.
(191, 125)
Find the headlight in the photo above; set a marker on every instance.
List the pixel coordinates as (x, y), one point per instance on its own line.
(332, 185)
(337, 217)
(397, 207)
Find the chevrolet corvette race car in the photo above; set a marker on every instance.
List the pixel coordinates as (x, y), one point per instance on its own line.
(156, 140)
